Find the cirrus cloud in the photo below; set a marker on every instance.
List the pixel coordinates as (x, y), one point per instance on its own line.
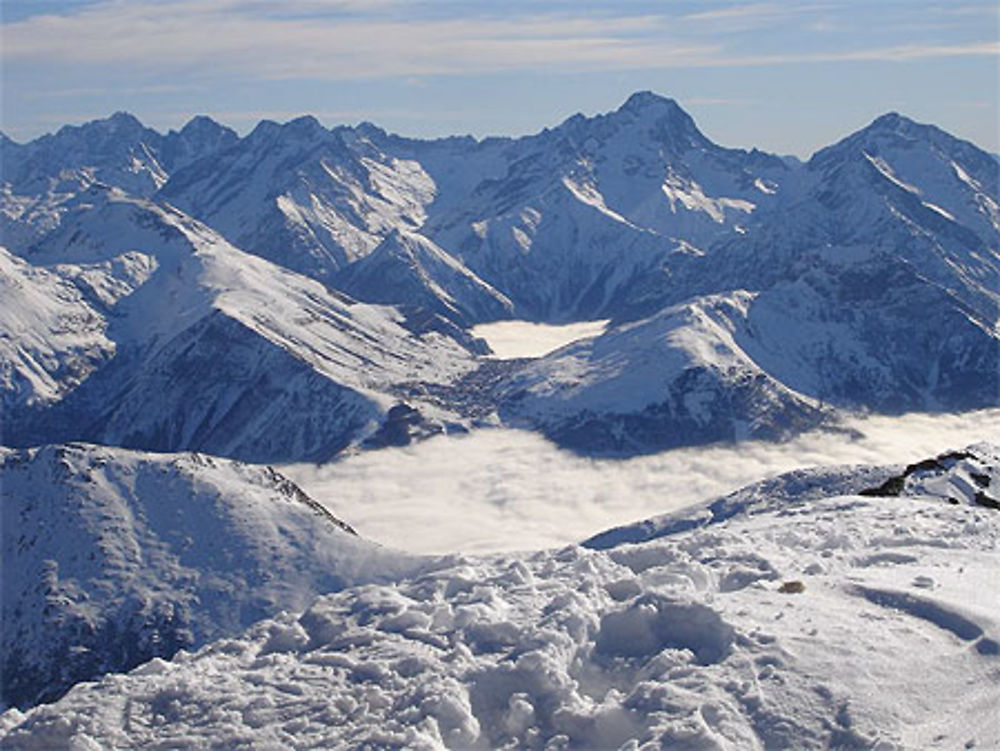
(349, 40)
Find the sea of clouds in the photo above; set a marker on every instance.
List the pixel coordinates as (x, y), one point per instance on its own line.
(511, 339)
(503, 490)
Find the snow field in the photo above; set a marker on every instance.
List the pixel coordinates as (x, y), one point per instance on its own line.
(112, 557)
(696, 641)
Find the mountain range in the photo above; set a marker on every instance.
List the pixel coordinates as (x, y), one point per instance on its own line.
(299, 291)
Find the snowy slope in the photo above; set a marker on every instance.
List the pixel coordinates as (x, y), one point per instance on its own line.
(408, 269)
(560, 255)
(895, 191)
(52, 339)
(918, 193)
(224, 352)
(873, 335)
(677, 378)
(966, 477)
(952, 178)
(803, 621)
(112, 557)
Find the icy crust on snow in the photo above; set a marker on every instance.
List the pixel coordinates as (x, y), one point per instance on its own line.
(112, 557)
(848, 622)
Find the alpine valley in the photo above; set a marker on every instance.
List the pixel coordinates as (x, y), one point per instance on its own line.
(180, 311)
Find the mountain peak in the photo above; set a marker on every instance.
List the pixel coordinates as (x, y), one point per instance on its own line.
(305, 126)
(121, 120)
(665, 118)
(202, 123)
(642, 101)
(264, 130)
(893, 122)
(646, 105)
(369, 130)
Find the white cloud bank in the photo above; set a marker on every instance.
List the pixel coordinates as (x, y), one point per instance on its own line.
(503, 490)
(511, 339)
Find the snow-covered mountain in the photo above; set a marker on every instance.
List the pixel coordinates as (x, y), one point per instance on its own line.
(112, 557)
(749, 294)
(60, 338)
(586, 209)
(859, 334)
(818, 610)
(305, 197)
(894, 191)
(38, 178)
(868, 279)
(409, 269)
(558, 222)
(216, 350)
(677, 378)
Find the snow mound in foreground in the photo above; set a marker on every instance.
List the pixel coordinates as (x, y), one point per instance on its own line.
(971, 477)
(848, 621)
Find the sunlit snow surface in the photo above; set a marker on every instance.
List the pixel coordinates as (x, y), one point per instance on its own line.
(510, 339)
(504, 490)
(838, 622)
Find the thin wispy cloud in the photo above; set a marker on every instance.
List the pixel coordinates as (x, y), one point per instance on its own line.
(351, 40)
(166, 88)
(224, 37)
(899, 53)
(752, 15)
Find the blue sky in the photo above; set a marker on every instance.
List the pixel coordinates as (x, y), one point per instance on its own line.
(785, 76)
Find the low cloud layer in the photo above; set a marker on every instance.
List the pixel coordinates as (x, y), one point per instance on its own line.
(510, 339)
(502, 490)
